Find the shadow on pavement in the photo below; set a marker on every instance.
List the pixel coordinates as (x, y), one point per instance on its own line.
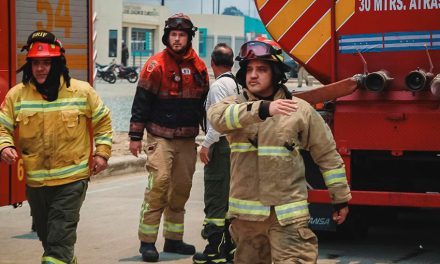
(163, 256)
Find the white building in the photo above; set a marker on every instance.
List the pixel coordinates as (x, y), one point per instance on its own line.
(107, 23)
(141, 28)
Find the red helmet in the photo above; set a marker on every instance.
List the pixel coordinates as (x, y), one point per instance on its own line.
(255, 49)
(268, 41)
(42, 43)
(261, 50)
(42, 50)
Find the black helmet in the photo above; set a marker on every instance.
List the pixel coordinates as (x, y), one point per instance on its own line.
(178, 22)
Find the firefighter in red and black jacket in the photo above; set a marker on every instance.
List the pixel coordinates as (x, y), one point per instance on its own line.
(169, 105)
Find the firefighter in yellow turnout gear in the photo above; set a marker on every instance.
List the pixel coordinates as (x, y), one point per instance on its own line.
(265, 128)
(52, 112)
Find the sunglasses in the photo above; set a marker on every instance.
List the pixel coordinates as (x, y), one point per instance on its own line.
(253, 49)
(179, 23)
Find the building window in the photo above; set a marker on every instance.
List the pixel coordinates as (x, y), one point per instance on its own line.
(124, 35)
(141, 42)
(113, 43)
(203, 32)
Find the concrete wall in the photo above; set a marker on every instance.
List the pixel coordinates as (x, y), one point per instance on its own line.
(144, 17)
(254, 27)
(114, 14)
(220, 28)
(108, 17)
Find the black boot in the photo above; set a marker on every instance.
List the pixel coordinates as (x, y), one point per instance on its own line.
(149, 252)
(214, 252)
(179, 247)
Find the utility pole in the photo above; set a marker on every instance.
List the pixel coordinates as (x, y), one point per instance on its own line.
(213, 7)
(218, 7)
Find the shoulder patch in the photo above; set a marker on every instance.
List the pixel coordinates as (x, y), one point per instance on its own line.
(152, 65)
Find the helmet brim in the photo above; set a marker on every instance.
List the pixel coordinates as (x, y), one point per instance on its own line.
(43, 50)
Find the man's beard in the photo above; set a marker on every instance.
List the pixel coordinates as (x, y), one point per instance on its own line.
(181, 51)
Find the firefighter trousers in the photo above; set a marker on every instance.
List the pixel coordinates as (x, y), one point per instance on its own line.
(217, 177)
(55, 212)
(264, 242)
(171, 165)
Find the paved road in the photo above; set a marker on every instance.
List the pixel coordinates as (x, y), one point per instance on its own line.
(107, 232)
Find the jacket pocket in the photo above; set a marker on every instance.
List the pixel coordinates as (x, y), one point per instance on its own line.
(307, 235)
(71, 122)
(152, 159)
(30, 124)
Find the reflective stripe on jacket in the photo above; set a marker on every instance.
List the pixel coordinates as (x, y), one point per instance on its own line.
(266, 166)
(54, 136)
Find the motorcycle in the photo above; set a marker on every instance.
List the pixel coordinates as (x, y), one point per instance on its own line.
(130, 73)
(106, 72)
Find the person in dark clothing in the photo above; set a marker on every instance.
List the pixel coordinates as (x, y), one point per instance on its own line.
(215, 153)
(124, 54)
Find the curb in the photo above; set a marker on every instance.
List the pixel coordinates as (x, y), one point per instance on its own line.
(129, 164)
(123, 165)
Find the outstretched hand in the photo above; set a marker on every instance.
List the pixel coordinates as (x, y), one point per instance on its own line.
(283, 107)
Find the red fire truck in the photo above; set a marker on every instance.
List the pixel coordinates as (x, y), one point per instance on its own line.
(388, 131)
(70, 21)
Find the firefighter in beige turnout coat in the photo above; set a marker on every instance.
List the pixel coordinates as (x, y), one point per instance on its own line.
(265, 129)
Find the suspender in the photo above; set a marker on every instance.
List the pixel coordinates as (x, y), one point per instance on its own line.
(230, 75)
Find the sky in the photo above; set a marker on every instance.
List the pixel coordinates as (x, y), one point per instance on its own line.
(203, 6)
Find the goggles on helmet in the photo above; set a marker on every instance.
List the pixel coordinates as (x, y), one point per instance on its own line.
(256, 49)
(179, 23)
